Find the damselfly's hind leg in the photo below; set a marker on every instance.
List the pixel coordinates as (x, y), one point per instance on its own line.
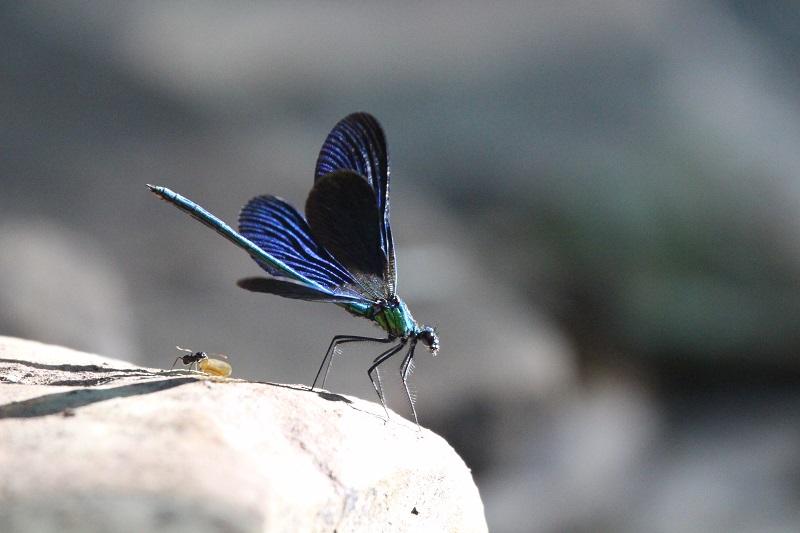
(378, 360)
(336, 341)
(405, 370)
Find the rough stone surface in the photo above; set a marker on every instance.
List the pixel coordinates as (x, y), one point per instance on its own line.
(89, 443)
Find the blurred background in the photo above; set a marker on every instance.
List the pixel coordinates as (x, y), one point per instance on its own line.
(597, 203)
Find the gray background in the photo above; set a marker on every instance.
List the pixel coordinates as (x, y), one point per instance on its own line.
(595, 202)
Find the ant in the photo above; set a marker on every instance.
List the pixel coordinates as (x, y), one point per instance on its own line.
(203, 363)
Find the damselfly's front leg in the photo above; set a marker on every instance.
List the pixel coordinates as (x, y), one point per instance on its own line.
(405, 370)
(336, 341)
(378, 360)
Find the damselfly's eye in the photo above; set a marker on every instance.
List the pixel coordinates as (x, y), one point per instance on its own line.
(429, 337)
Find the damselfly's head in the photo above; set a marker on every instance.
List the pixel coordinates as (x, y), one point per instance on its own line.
(430, 339)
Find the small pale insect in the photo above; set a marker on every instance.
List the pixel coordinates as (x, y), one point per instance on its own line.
(204, 363)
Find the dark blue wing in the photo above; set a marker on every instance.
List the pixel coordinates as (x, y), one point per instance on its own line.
(278, 229)
(357, 143)
(343, 218)
(291, 289)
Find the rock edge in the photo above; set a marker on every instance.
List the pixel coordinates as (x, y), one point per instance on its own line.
(90, 443)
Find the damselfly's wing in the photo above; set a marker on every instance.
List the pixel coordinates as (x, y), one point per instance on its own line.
(357, 143)
(344, 219)
(290, 289)
(278, 229)
(258, 217)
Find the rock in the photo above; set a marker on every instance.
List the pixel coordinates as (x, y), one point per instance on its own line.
(89, 443)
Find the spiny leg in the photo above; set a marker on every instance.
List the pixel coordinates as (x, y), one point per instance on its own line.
(337, 340)
(379, 386)
(378, 360)
(405, 370)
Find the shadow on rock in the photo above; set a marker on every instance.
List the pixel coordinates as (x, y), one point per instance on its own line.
(325, 395)
(64, 401)
(71, 368)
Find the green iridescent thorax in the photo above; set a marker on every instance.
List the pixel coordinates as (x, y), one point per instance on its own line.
(396, 320)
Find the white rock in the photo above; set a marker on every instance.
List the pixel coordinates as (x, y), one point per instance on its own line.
(93, 444)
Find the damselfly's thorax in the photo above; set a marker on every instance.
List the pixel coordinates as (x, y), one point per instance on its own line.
(392, 315)
(389, 301)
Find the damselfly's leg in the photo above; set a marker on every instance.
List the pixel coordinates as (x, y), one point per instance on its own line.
(378, 360)
(378, 384)
(337, 340)
(405, 370)
(176, 362)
